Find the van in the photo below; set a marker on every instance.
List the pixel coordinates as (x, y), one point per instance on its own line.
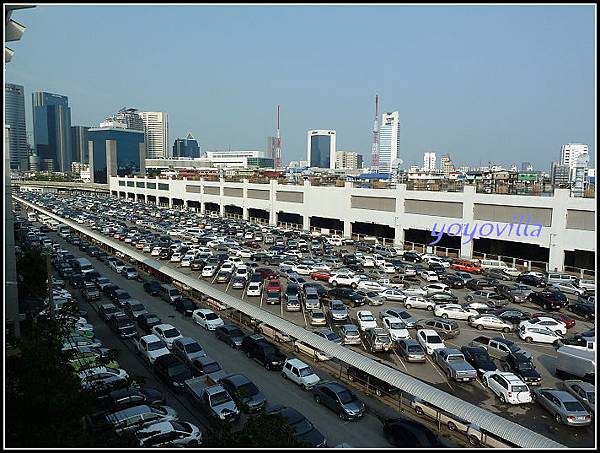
(559, 277)
(169, 293)
(83, 265)
(492, 264)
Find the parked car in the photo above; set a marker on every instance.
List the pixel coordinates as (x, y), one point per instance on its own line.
(584, 392)
(566, 409)
(365, 320)
(350, 334)
(167, 333)
(408, 319)
(445, 328)
(139, 417)
(454, 364)
(491, 322)
(549, 300)
(230, 334)
(560, 317)
(258, 348)
(244, 392)
(339, 399)
(479, 358)
(207, 318)
(187, 349)
(454, 311)
(107, 310)
(170, 434)
(429, 340)
(150, 347)
(147, 321)
(303, 429)
(185, 306)
(511, 315)
(410, 350)
(508, 387)
(531, 280)
(300, 373)
(584, 310)
(173, 371)
(498, 347)
(532, 334)
(524, 368)
(419, 302)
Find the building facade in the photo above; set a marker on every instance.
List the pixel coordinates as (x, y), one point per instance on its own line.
(233, 158)
(156, 130)
(52, 129)
(15, 118)
(560, 175)
(129, 117)
(389, 141)
(186, 147)
(570, 152)
(115, 152)
(79, 144)
(321, 148)
(429, 162)
(446, 165)
(347, 160)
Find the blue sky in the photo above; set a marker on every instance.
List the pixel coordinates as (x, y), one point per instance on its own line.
(484, 83)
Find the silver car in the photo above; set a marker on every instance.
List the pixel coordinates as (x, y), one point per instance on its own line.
(337, 311)
(372, 298)
(567, 410)
(491, 322)
(584, 392)
(187, 349)
(568, 288)
(405, 316)
(350, 334)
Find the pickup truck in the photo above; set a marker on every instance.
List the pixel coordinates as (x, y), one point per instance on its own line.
(212, 398)
(453, 362)
(90, 292)
(378, 340)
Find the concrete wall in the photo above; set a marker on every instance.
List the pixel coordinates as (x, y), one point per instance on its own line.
(336, 203)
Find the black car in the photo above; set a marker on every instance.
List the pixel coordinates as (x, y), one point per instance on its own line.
(147, 321)
(511, 315)
(77, 280)
(401, 432)
(107, 310)
(584, 310)
(304, 430)
(531, 280)
(437, 268)
(152, 287)
(206, 365)
(172, 370)
(244, 392)
(321, 290)
(119, 296)
(412, 257)
(479, 358)
(513, 293)
(379, 386)
(549, 300)
(347, 295)
(129, 397)
(452, 280)
(481, 283)
(197, 265)
(92, 276)
(93, 251)
(230, 334)
(497, 274)
(123, 325)
(101, 256)
(109, 289)
(185, 306)
(258, 348)
(524, 368)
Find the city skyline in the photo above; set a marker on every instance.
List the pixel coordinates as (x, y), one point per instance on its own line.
(521, 114)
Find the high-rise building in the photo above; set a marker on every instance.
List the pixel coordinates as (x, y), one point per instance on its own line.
(429, 162)
(560, 175)
(15, 118)
(156, 130)
(186, 147)
(79, 144)
(526, 166)
(115, 151)
(389, 141)
(570, 152)
(359, 161)
(321, 148)
(52, 129)
(347, 160)
(130, 117)
(446, 165)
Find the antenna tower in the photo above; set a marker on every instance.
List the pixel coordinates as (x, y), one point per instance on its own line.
(375, 147)
(277, 144)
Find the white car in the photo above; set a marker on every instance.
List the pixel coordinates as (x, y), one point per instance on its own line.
(254, 289)
(146, 248)
(241, 271)
(545, 323)
(101, 375)
(321, 267)
(176, 257)
(186, 261)
(344, 279)
(429, 340)
(227, 266)
(155, 251)
(366, 320)
(491, 322)
(209, 270)
(150, 347)
(370, 285)
(305, 348)
(414, 291)
(388, 268)
(454, 311)
(429, 276)
(368, 261)
(538, 335)
(167, 333)
(419, 302)
(394, 295)
(511, 271)
(207, 318)
(395, 327)
(171, 433)
(301, 373)
(508, 387)
(302, 269)
(433, 288)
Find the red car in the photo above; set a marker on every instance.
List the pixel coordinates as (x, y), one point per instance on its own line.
(252, 245)
(320, 275)
(266, 273)
(566, 320)
(274, 285)
(465, 265)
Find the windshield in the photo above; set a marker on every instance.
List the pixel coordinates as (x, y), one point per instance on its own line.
(211, 316)
(308, 371)
(415, 348)
(574, 406)
(525, 365)
(155, 346)
(273, 294)
(171, 333)
(317, 315)
(346, 397)
(302, 427)
(220, 398)
(138, 307)
(456, 358)
(396, 325)
(434, 339)
(212, 367)
(193, 347)
(235, 333)
(520, 388)
(367, 317)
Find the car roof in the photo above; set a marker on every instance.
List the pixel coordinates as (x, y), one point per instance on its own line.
(297, 363)
(151, 337)
(562, 395)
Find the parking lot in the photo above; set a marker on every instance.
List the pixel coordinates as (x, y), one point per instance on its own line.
(544, 355)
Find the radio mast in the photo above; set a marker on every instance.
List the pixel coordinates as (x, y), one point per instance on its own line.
(277, 144)
(375, 146)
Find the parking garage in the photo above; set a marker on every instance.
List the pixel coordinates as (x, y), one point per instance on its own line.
(290, 218)
(234, 211)
(324, 222)
(261, 214)
(212, 207)
(373, 229)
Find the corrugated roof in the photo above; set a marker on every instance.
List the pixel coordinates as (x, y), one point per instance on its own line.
(499, 426)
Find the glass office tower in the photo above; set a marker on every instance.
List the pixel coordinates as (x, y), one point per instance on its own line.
(52, 129)
(115, 152)
(15, 118)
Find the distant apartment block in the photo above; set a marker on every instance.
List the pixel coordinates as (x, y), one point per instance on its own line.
(429, 162)
(389, 141)
(348, 160)
(156, 130)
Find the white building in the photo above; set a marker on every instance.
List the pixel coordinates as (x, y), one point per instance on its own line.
(389, 141)
(320, 148)
(346, 160)
(429, 162)
(232, 158)
(156, 130)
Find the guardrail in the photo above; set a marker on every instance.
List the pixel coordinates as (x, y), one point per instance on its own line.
(488, 421)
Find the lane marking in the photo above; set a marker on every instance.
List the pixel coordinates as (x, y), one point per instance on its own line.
(400, 359)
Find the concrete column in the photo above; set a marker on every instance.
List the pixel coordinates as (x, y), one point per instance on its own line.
(202, 208)
(245, 213)
(272, 198)
(347, 229)
(398, 227)
(272, 218)
(222, 209)
(170, 202)
(554, 235)
(466, 250)
(306, 222)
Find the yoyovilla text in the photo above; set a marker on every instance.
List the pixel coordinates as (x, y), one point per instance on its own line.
(486, 229)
